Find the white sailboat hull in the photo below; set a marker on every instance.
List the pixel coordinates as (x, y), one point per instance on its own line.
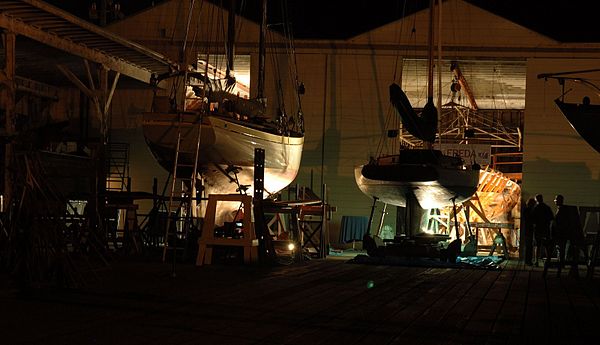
(224, 143)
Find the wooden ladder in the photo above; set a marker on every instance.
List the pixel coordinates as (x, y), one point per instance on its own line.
(180, 205)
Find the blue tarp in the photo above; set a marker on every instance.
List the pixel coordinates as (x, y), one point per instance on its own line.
(485, 262)
(353, 228)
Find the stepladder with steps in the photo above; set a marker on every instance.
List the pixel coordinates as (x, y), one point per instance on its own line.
(182, 195)
(117, 166)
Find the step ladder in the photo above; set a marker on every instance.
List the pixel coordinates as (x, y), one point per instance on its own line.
(117, 166)
(182, 193)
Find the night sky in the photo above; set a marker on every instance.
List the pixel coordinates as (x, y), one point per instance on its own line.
(566, 21)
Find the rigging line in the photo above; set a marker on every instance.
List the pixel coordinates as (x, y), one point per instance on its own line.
(289, 44)
(187, 31)
(295, 73)
(389, 118)
(502, 92)
(399, 40)
(194, 47)
(584, 82)
(221, 25)
(240, 23)
(277, 71)
(173, 28)
(439, 70)
(292, 67)
(413, 38)
(209, 43)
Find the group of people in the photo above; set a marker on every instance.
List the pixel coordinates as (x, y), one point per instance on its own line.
(547, 232)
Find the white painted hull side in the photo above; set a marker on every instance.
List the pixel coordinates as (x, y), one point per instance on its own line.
(223, 144)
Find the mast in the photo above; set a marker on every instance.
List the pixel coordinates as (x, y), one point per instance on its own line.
(183, 57)
(230, 39)
(261, 52)
(439, 74)
(187, 31)
(430, 54)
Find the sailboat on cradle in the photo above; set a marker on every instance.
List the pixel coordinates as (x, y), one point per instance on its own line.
(231, 127)
(424, 175)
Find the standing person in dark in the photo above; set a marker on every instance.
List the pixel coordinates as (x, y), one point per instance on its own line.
(567, 227)
(542, 217)
(527, 229)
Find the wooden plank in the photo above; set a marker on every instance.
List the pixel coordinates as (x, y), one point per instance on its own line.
(322, 301)
(371, 311)
(410, 320)
(419, 331)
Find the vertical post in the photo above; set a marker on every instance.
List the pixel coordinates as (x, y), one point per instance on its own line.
(324, 238)
(383, 212)
(266, 251)
(430, 54)
(7, 102)
(324, 129)
(371, 216)
(297, 233)
(103, 72)
(102, 109)
(83, 121)
(439, 72)
(261, 52)
(230, 39)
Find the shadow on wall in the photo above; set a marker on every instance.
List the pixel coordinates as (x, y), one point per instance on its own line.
(326, 154)
(574, 180)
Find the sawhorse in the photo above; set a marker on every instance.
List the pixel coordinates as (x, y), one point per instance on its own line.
(208, 240)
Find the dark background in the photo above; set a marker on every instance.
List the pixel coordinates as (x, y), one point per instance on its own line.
(565, 21)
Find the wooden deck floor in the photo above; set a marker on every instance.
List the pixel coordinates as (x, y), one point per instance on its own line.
(320, 302)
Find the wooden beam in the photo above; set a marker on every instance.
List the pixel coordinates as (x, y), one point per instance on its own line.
(7, 101)
(112, 91)
(89, 75)
(36, 88)
(103, 88)
(73, 78)
(52, 40)
(89, 93)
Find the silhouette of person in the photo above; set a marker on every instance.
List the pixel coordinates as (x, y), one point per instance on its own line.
(585, 101)
(567, 228)
(527, 229)
(542, 217)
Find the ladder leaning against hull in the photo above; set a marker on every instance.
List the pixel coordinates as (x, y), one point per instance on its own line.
(181, 199)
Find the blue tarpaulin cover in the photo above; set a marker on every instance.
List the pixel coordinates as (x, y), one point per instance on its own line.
(353, 228)
(485, 262)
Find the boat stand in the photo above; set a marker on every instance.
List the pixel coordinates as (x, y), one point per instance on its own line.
(247, 237)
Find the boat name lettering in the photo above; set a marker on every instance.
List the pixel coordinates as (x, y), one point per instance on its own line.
(478, 153)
